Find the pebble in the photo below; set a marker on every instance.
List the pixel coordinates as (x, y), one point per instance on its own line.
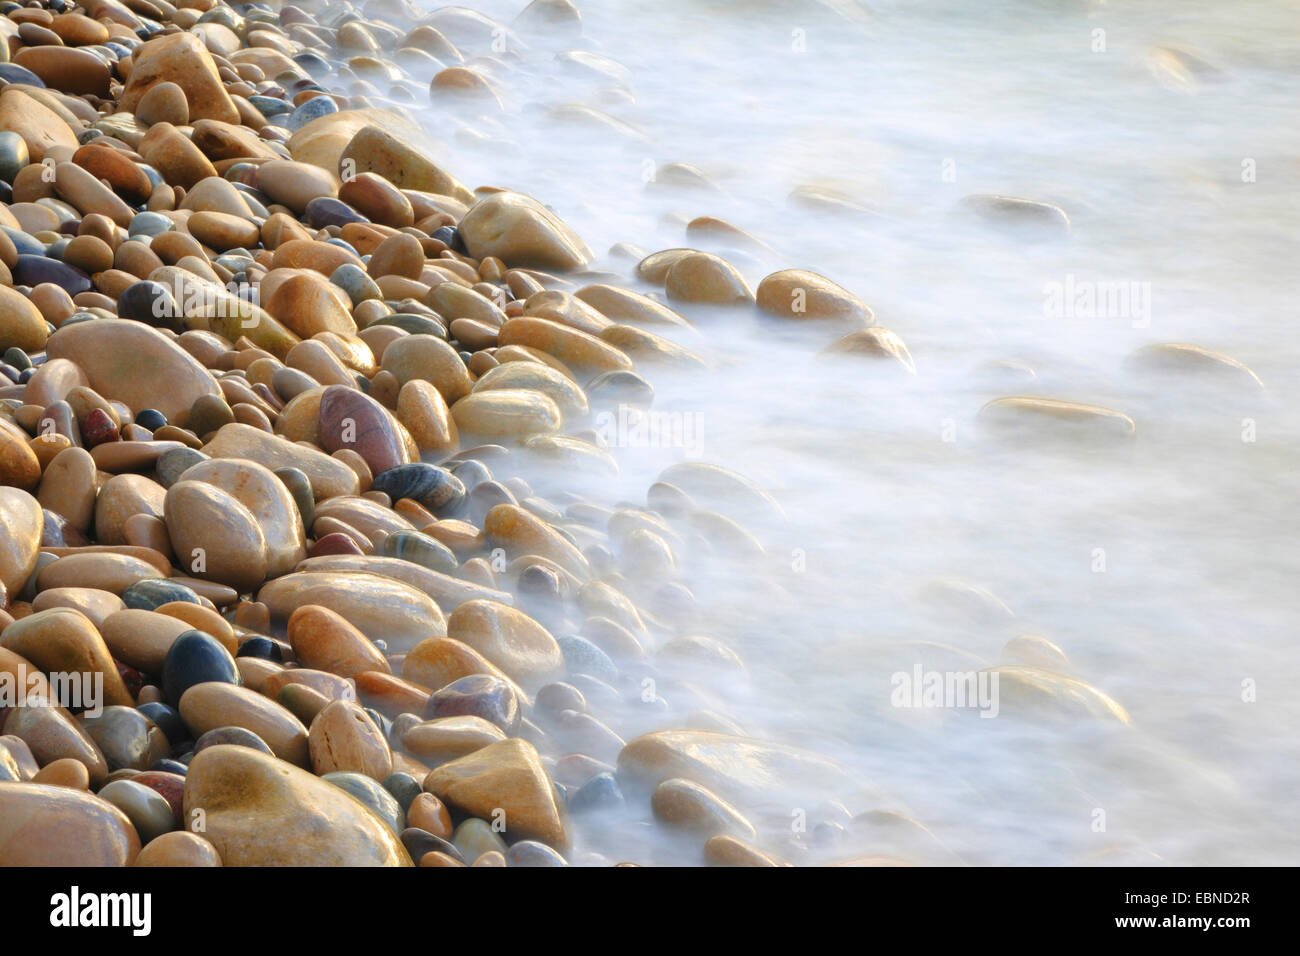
(182, 59)
(478, 695)
(381, 608)
(194, 658)
(214, 536)
(506, 776)
(127, 738)
(207, 706)
(46, 825)
(371, 794)
(520, 231)
(148, 812)
(323, 639)
(260, 811)
(129, 362)
(343, 738)
(433, 487)
(64, 640)
(687, 805)
(20, 533)
(507, 413)
(178, 848)
(50, 734)
(446, 738)
(523, 649)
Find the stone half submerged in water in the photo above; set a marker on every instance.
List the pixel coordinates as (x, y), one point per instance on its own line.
(739, 769)
(1032, 418)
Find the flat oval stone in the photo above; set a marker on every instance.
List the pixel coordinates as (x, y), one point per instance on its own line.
(701, 277)
(50, 735)
(421, 549)
(350, 419)
(63, 640)
(381, 608)
(519, 532)
(328, 476)
(446, 738)
(260, 811)
(294, 184)
(43, 825)
(799, 294)
(520, 231)
(149, 594)
(1031, 417)
(210, 705)
(129, 362)
(196, 658)
(36, 270)
(269, 502)
(323, 639)
(214, 536)
(510, 639)
(433, 487)
(507, 413)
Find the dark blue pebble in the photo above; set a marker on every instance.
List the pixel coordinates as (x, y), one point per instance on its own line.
(260, 647)
(151, 419)
(13, 73)
(25, 245)
(34, 270)
(148, 302)
(168, 721)
(196, 658)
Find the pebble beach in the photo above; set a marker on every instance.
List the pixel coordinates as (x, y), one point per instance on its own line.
(357, 511)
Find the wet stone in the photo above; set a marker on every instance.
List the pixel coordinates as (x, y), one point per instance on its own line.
(599, 794)
(167, 720)
(403, 787)
(478, 695)
(149, 594)
(127, 738)
(372, 794)
(433, 487)
(196, 658)
(235, 736)
(420, 549)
